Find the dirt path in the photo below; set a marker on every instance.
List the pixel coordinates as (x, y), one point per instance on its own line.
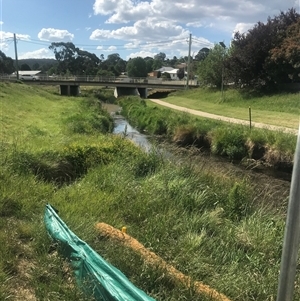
(227, 119)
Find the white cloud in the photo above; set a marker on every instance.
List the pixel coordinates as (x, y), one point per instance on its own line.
(242, 28)
(110, 48)
(42, 53)
(3, 46)
(5, 35)
(88, 28)
(194, 24)
(193, 13)
(173, 20)
(148, 29)
(142, 54)
(1, 22)
(107, 49)
(55, 35)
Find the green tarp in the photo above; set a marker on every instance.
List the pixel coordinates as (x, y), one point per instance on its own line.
(95, 276)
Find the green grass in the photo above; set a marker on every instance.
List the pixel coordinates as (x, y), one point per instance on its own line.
(205, 225)
(279, 109)
(237, 142)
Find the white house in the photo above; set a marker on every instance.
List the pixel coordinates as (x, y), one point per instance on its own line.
(172, 71)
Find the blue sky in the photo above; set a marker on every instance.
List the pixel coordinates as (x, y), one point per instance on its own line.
(128, 27)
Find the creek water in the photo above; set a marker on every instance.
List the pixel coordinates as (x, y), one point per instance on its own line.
(124, 128)
(272, 187)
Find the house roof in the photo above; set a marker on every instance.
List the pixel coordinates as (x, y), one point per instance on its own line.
(30, 72)
(165, 69)
(173, 71)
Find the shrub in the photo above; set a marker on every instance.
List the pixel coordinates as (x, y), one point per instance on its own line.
(88, 124)
(228, 142)
(237, 204)
(62, 166)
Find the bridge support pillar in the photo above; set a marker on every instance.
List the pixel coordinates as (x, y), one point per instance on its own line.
(69, 90)
(124, 91)
(143, 92)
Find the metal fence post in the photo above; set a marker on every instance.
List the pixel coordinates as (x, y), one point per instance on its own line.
(291, 235)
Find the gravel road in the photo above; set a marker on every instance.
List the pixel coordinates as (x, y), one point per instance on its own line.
(227, 119)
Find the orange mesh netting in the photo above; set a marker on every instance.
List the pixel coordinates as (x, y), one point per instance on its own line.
(151, 258)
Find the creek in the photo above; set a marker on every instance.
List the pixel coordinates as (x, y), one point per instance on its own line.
(269, 185)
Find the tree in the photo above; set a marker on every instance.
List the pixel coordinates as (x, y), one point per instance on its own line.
(6, 64)
(210, 69)
(202, 54)
(180, 73)
(114, 64)
(157, 64)
(74, 60)
(36, 66)
(250, 59)
(149, 63)
(105, 73)
(86, 62)
(173, 61)
(136, 67)
(286, 56)
(25, 67)
(65, 54)
(160, 56)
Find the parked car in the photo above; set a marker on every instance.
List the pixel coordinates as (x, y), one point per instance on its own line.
(29, 77)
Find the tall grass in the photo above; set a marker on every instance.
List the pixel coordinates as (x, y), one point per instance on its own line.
(206, 226)
(275, 149)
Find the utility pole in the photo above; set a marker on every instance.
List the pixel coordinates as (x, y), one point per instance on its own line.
(222, 88)
(189, 60)
(16, 53)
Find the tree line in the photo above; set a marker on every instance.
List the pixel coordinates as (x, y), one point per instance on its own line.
(264, 57)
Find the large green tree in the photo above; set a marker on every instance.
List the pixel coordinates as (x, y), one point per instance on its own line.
(113, 64)
(137, 67)
(6, 64)
(74, 60)
(250, 60)
(160, 56)
(286, 56)
(211, 69)
(202, 54)
(25, 67)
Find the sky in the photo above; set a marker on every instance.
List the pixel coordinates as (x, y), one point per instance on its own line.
(130, 28)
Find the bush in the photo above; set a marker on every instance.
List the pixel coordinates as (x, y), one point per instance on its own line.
(237, 204)
(228, 142)
(64, 166)
(88, 124)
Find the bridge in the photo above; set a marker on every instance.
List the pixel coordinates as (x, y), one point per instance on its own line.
(123, 86)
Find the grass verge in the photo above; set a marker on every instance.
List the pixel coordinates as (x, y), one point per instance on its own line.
(281, 109)
(204, 225)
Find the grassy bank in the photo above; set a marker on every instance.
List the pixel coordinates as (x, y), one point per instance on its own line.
(273, 149)
(281, 109)
(205, 225)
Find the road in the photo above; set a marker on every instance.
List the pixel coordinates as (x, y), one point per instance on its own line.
(226, 119)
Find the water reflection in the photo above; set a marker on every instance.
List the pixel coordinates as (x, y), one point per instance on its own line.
(122, 127)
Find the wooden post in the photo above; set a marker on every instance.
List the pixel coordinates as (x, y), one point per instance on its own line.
(250, 117)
